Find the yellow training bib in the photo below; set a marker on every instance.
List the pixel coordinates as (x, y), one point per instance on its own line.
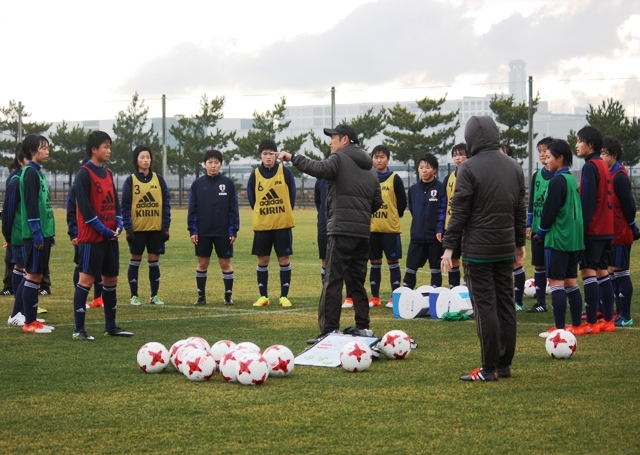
(386, 220)
(146, 204)
(272, 209)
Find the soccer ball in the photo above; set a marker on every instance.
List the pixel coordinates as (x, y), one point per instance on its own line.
(252, 369)
(198, 365)
(173, 350)
(561, 344)
(181, 354)
(280, 360)
(250, 346)
(356, 356)
(220, 348)
(204, 344)
(229, 363)
(153, 358)
(395, 344)
(530, 288)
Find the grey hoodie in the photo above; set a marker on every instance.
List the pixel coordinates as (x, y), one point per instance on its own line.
(488, 209)
(353, 193)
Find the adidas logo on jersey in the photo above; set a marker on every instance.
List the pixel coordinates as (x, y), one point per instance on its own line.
(108, 203)
(268, 201)
(147, 201)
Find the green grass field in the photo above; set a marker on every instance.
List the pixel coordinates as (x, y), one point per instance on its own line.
(63, 396)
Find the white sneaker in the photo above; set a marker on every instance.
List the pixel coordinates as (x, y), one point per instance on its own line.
(348, 303)
(389, 304)
(135, 301)
(17, 320)
(87, 306)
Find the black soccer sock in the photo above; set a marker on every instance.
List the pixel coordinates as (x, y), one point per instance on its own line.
(591, 298)
(227, 279)
(79, 302)
(575, 304)
(17, 281)
(606, 297)
(518, 284)
(454, 277)
(285, 279)
(540, 280)
(625, 292)
(436, 278)
(394, 275)
(29, 301)
(375, 275)
(409, 278)
(201, 283)
(110, 303)
(263, 280)
(97, 287)
(559, 306)
(132, 276)
(616, 292)
(154, 277)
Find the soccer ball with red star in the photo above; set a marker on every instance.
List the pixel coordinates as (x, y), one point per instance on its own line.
(356, 356)
(174, 350)
(153, 357)
(252, 369)
(198, 365)
(229, 363)
(220, 348)
(395, 344)
(280, 360)
(561, 344)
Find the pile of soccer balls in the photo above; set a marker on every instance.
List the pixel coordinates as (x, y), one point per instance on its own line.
(356, 356)
(198, 361)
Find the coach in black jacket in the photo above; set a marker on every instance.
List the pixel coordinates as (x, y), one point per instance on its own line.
(488, 218)
(353, 195)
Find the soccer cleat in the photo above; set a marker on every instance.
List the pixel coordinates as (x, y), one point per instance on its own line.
(6, 291)
(284, 301)
(135, 301)
(97, 302)
(576, 330)
(117, 332)
(374, 301)
(607, 326)
(82, 335)
(599, 315)
(622, 322)
(201, 301)
(348, 303)
(262, 301)
(389, 303)
(41, 310)
(519, 306)
(504, 372)
(480, 374)
(36, 327)
(17, 320)
(44, 291)
(227, 300)
(592, 329)
(546, 334)
(155, 300)
(87, 306)
(537, 308)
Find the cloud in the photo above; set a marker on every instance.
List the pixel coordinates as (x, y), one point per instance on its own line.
(425, 41)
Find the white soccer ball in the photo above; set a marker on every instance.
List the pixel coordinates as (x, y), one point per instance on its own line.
(198, 365)
(204, 344)
(153, 357)
(561, 344)
(530, 288)
(356, 356)
(395, 344)
(250, 346)
(252, 369)
(220, 348)
(182, 353)
(173, 350)
(229, 364)
(280, 360)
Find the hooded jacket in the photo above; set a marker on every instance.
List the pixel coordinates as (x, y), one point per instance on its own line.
(489, 209)
(353, 193)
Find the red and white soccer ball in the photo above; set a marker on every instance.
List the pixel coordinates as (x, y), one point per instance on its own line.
(356, 356)
(395, 344)
(153, 357)
(228, 364)
(561, 344)
(252, 369)
(173, 350)
(201, 342)
(250, 346)
(280, 360)
(530, 288)
(220, 348)
(198, 365)
(181, 353)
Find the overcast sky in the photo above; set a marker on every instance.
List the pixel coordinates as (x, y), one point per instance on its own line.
(75, 61)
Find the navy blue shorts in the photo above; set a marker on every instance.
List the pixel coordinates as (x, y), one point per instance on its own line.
(153, 241)
(561, 264)
(596, 254)
(205, 246)
(620, 259)
(37, 261)
(419, 253)
(537, 254)
(389, 244)
(102, 258)
(281, 240)
(17, 256)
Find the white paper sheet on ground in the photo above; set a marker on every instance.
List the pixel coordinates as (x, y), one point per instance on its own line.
(326, 353)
